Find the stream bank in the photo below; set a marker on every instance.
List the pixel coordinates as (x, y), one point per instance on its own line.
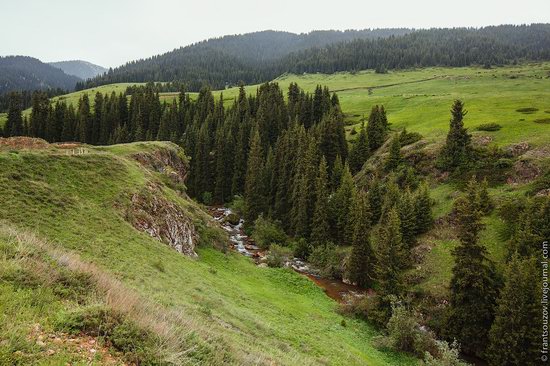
(243, 244)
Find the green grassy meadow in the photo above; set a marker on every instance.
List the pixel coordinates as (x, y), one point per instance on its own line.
(420, 99)
(237, 312)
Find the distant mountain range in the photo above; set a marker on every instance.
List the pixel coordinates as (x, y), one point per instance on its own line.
(81, 69)
(28, 73)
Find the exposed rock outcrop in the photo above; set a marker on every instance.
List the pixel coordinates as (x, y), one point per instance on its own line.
(170, 162)
(164, 220)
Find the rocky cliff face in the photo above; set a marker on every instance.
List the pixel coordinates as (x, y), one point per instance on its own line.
(164, 220)
(170, 162)
(159, 217)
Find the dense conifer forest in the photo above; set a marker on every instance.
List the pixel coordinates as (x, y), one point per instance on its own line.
(259, 57)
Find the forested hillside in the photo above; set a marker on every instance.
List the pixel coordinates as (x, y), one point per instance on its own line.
(230, 59)
(26, 73)
(259, 57)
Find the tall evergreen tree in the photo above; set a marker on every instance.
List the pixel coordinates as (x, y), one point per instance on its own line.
(514, 338)
(457, 149)
(394, 157)
(473, 285)
(341, 209)
(254, 189)
(362, 260)
(376, 132)
(423, 210)
(320, 225)
(359, 153)
(14, 123)
(391, 259)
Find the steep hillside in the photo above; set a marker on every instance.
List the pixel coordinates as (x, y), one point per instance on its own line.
(230, 59)
(81, 69)
(27, 73)
(104, 226)
(262, 56)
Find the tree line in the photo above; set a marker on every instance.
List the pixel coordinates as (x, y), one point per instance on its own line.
(259, 57)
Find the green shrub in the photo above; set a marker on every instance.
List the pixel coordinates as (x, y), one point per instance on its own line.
(302, 249)
(489, 127)
(527, 110)
(267, 232)
(237, 205)
(207, 198)
(407, 138)
(329, 260)
(446, 355)
(543, 121)
(504, 163)
(278, 255)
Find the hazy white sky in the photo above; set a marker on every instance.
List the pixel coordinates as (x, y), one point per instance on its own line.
(111, 32)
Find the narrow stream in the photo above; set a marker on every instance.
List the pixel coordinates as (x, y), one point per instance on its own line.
(335, 289)
(240, 242)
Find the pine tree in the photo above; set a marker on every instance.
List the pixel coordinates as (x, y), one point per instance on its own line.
(341, 210)
(457, 149)
(394, 157)
(376, 131)
(423, 210)
(336, 173)
(14, 123)
(473, 284)
(514, 338)
(408, 219)
(375, 200)
(360, 151)
(391, 259)
(362, 261)
(320, 226)
(484, 198)
(84, 119)
(254, 190)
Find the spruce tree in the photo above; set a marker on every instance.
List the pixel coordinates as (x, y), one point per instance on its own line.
(391, 259)
(423, 210)
(14, 123)
(457, 150)
(320, 225)
(362, 261)
(341, 210)
(254, 190)
(359, 153)
(336, 173)
(394, 158)
(484, 198)
(473, 284)
(376, 132)
(408, 219)
(375, 200)
(514, 338)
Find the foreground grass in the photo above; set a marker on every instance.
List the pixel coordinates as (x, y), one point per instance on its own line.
(248, 315)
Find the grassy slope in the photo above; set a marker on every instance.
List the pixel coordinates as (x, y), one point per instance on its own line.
(256, 314)
(420, 99)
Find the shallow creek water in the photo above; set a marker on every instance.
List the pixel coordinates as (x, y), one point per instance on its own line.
(243, 244)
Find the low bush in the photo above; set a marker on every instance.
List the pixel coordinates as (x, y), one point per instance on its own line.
(446, 355)
(407, 138)
(329, 260)
(527, 110)
(489, 127)
(267, 232)
(543, 121)
(278, 256)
